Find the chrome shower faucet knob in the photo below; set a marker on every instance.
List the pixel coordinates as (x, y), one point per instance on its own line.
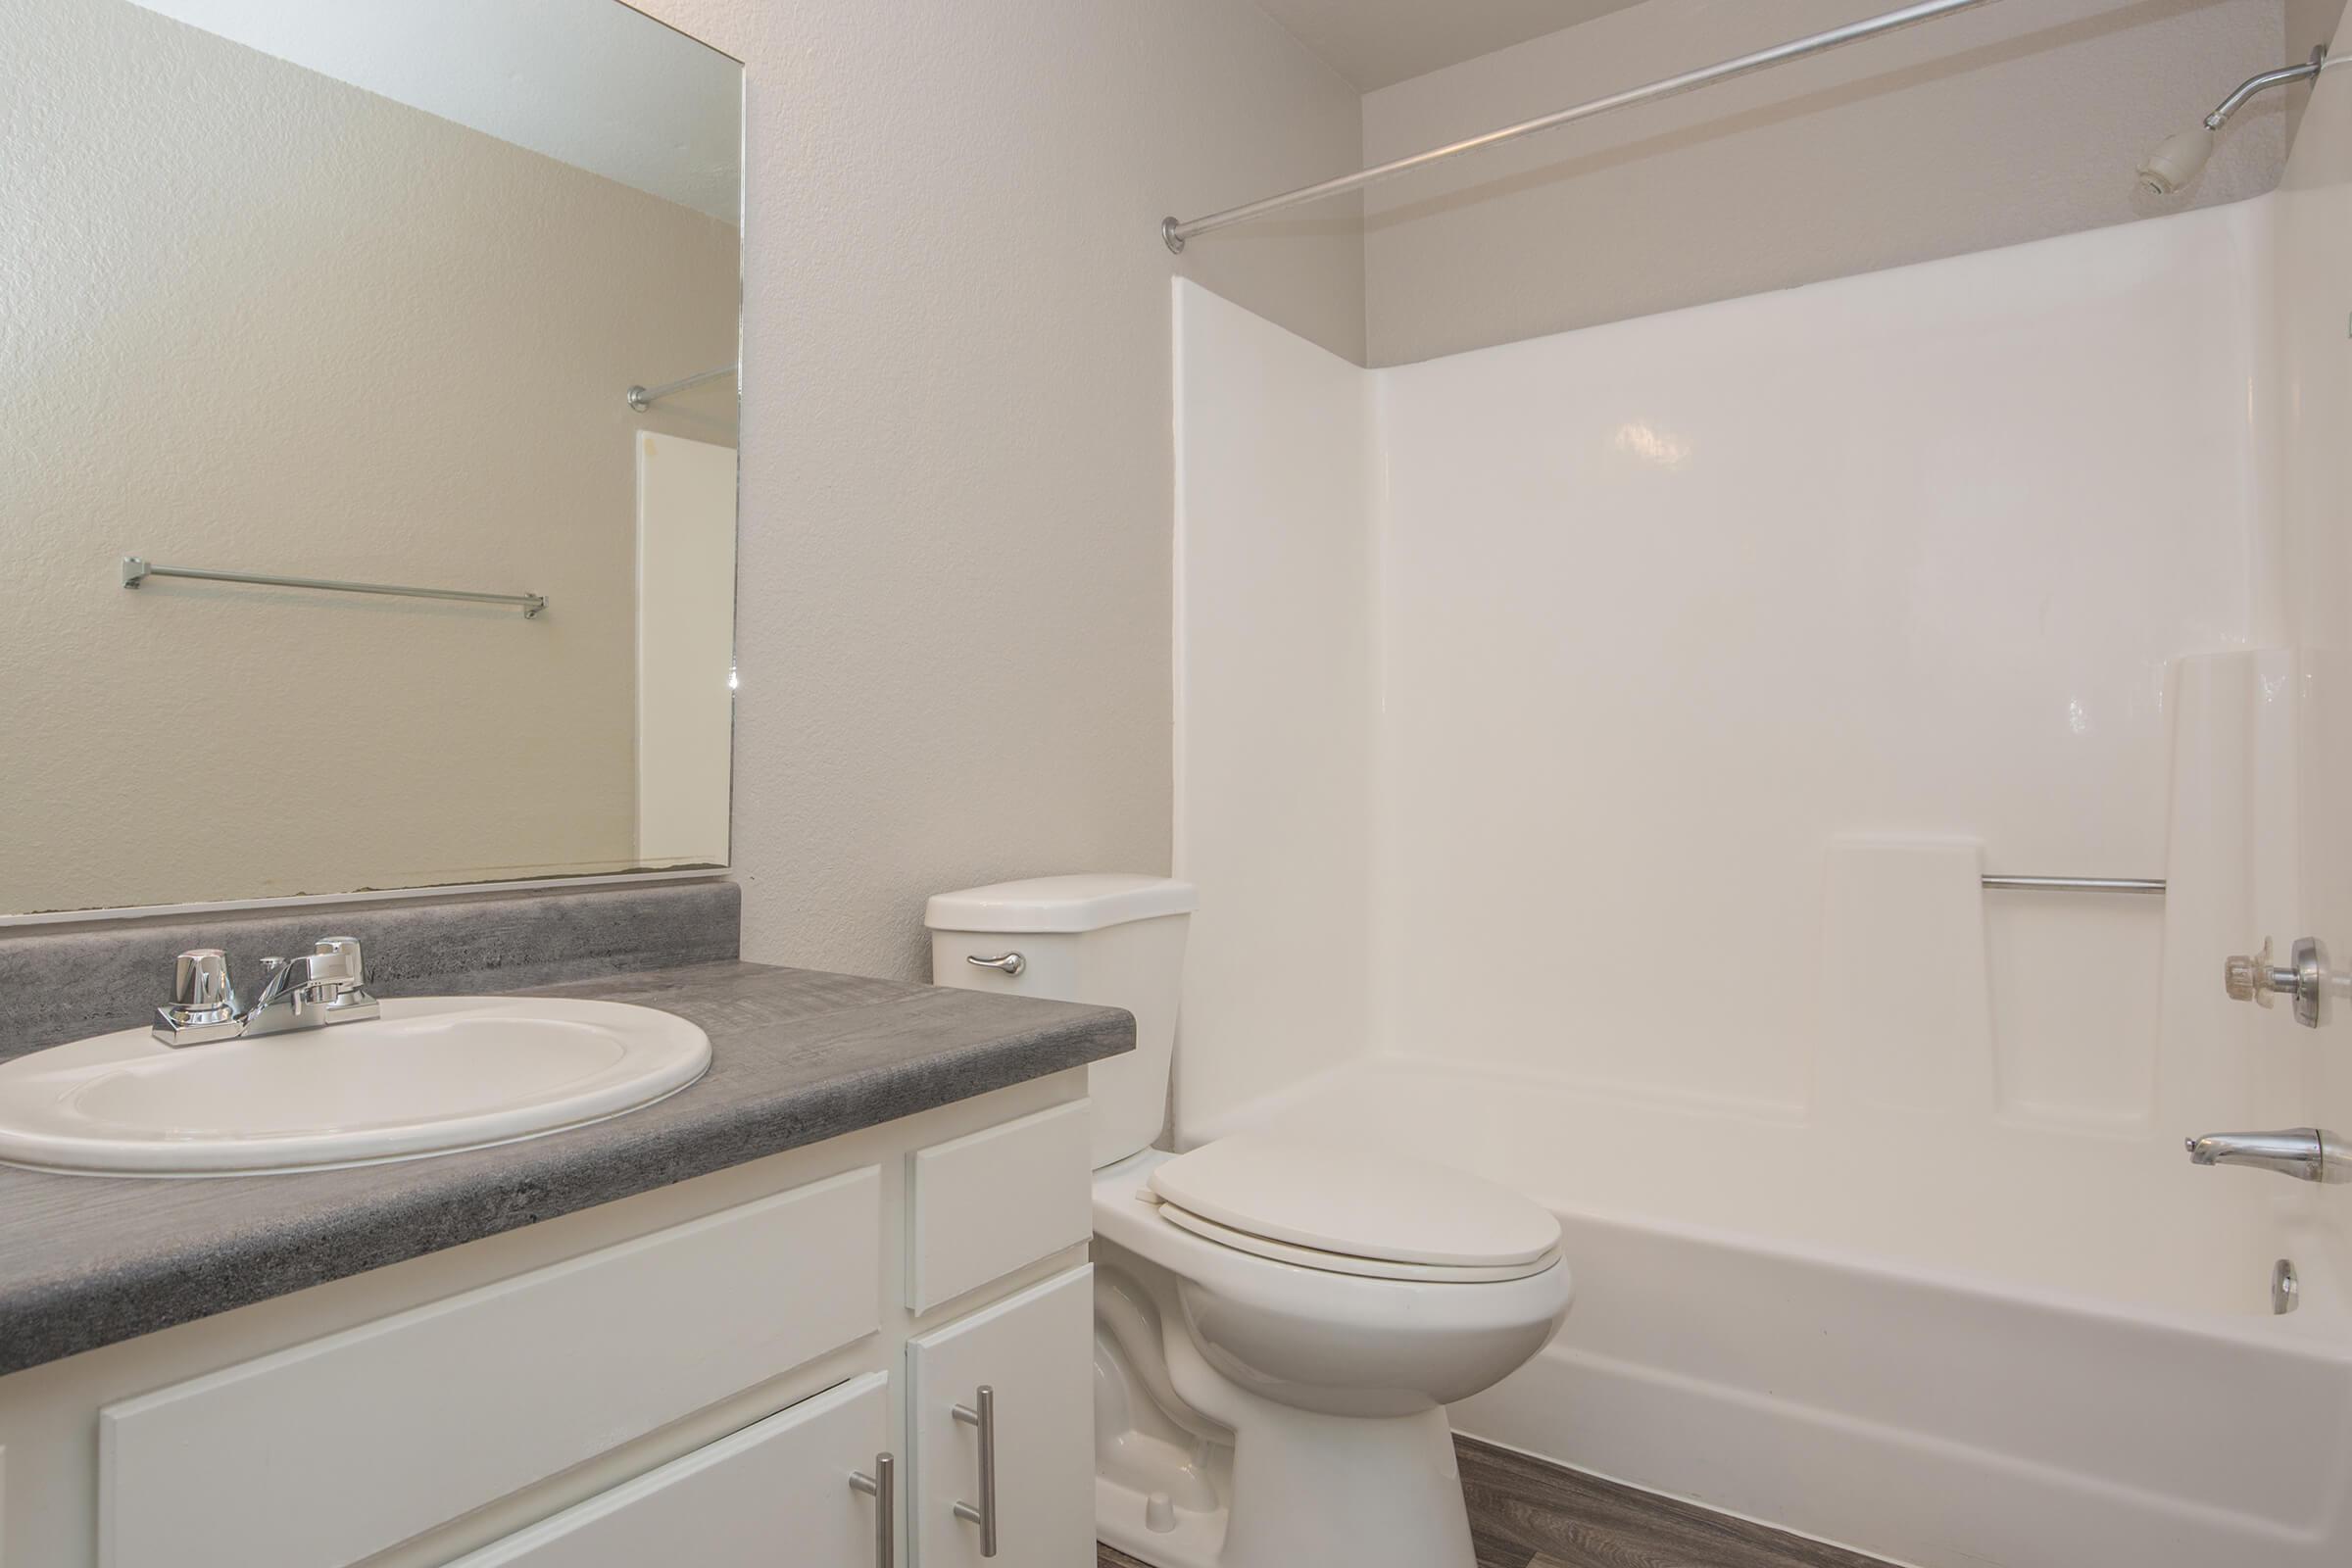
(2257, 979)
(2246, 976)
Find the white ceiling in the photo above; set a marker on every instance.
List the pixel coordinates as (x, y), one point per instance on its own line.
(591, 83)
(1374, 43)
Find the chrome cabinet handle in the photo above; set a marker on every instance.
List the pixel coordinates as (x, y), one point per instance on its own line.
(1009, 962)
(985, 1418)
(883, 1487)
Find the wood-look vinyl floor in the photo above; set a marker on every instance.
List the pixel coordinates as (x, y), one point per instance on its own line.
(1525, 1513)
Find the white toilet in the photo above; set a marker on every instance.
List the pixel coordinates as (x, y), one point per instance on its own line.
(1278, 1326)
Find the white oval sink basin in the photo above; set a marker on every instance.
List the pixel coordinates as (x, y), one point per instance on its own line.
(431, 1076)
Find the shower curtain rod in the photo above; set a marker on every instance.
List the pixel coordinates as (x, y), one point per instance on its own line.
(1175, 232)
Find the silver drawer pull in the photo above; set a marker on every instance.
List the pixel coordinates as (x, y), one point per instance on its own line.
(883, 1487)
(985, 1418)
(1011, 962)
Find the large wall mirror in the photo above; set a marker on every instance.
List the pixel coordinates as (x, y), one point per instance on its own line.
(355, 294)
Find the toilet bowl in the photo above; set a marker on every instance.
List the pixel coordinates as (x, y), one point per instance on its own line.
(1279, 1325)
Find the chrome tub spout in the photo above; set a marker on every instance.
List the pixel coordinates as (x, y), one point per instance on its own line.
(2307, 1154)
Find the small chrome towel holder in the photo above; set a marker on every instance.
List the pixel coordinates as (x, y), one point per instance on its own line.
(137, 569)
(2076, 884)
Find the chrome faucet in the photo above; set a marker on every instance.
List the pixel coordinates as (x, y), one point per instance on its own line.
(2307, 1154)
(324, 986)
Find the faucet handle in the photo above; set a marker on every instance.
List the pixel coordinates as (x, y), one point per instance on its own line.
(345, 966)
(2245, 978)
(2257, 977)
(200, 988)
(203, 1004)
(340, 976)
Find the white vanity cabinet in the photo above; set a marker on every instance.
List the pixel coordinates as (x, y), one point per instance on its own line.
(692, 1377)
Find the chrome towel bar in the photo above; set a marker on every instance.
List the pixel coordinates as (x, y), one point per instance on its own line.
(2077, 884)
(137, 571)
(642, 398)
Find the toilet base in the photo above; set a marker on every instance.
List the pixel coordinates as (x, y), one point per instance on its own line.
(1306, 1488)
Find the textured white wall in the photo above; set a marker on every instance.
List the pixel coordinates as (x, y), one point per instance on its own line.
(957, 467)
(2005, 124)
(257, 319)
(591, 83)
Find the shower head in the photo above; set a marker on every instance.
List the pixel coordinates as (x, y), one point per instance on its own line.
(2177, 160)
(2180, 159)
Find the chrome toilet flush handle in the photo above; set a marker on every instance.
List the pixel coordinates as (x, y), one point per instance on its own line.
(1011, 963)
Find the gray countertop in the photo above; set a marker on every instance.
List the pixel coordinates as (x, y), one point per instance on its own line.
(796, 1056)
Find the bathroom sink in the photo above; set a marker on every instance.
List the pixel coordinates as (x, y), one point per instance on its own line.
(431, 1076)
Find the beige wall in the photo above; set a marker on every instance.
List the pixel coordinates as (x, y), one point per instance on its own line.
(957, 466)
(256, 318)
(2006, 124)
(2309, 23)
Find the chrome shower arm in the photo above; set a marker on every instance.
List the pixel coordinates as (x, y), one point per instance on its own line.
(2264, 83)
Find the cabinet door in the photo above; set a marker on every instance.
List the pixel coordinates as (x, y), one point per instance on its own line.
(325, 1453)
(1035, 1354)
(777, 1492)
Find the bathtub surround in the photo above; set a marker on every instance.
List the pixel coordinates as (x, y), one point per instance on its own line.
(1842, 544)
(2310, 885)
(1843, 628)
(1714, 658)
(1275, 575)
(65, 982)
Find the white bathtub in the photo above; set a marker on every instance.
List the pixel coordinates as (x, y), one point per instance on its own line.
(2005, 1346)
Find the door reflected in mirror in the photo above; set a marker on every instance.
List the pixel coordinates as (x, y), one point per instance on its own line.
(394, 344)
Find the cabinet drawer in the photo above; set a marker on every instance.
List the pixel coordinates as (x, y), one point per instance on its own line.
(324, 1453)
(1035, 1354)
(985, 1204)
(774, 1492)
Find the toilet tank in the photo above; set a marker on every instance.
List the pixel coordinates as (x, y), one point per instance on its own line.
(1113, 940)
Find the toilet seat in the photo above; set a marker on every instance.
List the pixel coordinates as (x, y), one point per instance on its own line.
(1349, 1211)
(1371, 1268)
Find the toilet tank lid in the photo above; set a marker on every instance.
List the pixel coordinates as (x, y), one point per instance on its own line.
(1086, 901)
